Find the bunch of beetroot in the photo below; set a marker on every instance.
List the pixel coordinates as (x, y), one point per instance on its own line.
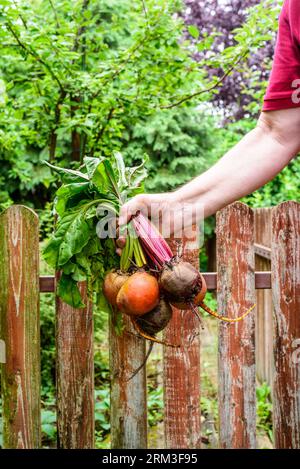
(138, 295)
(151, 279)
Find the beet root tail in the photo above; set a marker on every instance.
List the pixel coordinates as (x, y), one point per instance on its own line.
(149, 337)
(224, 318)
(144, 362)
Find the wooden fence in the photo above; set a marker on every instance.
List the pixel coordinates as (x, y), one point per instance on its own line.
(264, 310)
(235, 282)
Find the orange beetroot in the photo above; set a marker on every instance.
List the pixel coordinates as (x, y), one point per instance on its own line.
(138, 295)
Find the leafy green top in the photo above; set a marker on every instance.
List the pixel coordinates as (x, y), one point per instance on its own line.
(87, 201)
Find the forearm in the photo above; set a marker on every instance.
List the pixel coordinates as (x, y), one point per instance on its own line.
(254, 161)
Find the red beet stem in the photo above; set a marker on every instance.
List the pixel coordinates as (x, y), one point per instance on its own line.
(152, 241)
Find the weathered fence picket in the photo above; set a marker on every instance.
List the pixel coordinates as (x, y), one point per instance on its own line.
(75, 374)
(19, 316)
(286, 299)
(182, 365)
(264, 309)
(235, 280)
(128, 396)
(236, 293)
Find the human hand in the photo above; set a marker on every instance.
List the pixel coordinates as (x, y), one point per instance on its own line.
(166, 211)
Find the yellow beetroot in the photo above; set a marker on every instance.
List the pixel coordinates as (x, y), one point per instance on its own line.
(112, 283)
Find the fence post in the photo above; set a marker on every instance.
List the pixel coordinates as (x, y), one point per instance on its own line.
(286, 299)
(19, 311)
(182, 417)
(264, 310)
(236, 293)
(128, 397)
(75, 374)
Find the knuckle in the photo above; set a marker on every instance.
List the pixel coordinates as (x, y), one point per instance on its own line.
(139, 199)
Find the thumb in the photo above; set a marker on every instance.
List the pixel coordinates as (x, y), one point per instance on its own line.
(130, 208)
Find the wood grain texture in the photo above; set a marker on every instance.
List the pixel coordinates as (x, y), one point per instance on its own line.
(128, 397)
(182, 366)
(75, 374)
(19, 312)
(264, 309)
(286, 299)
(236, 293)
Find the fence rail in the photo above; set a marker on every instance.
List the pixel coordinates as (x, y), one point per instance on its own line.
(262, 281)
(262, 251)
(267, 241)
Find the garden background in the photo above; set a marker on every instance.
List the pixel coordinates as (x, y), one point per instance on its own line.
(181, 82)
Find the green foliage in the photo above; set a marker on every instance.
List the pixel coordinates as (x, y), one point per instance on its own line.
(77, 248)
(72, 84)
(283, 187)
(89, 78)
(209, 407)
(155, 405)
(47, 323)
(179, 143)
(102, 410)
(263, 24)
(264, 410)
(49, 429)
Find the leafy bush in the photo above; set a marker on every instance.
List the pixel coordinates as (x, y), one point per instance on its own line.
(264, 410)
(228, 25)
(86, 81)
(49, 429)
(71, 86)
(283, 187)
(155, 405)
(180, 144)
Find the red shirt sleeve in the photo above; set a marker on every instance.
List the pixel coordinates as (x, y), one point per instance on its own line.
(284, 86)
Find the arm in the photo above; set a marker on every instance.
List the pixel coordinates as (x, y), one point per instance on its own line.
(254, 161)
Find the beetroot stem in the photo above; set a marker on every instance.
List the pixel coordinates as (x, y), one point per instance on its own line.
(153, 243)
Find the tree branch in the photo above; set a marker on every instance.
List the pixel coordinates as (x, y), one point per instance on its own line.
(20, 15)
(145, 9)
(55, 13)
(124, 62)
(103, 128)
(207, 90)
(34, 54)
(81, 28)
(53, 136)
